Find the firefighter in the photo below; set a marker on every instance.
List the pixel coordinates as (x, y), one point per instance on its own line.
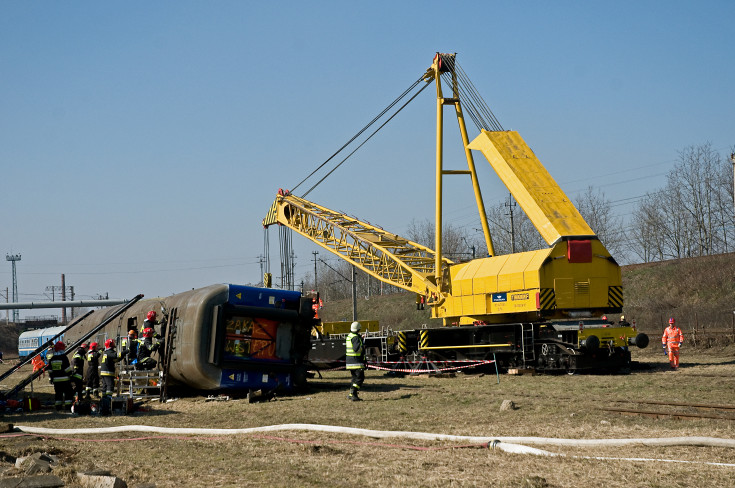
(146, 347)
(355, 358)
(672, 340)
(77, 375)
(107, 367)
(60, 375)
(149, 322)
(93, 374)
(131, 343)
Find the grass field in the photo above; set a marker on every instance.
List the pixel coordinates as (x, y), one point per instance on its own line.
(569, 407)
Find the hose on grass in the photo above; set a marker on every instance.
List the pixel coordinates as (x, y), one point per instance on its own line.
(513, 445)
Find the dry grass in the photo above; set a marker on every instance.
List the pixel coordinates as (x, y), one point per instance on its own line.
(549, 406)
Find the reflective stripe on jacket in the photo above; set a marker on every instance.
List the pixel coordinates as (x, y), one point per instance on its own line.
(107, 365)
(354, 351)
(59, 368)
(672, 337)
(93, 358)
(78, 364)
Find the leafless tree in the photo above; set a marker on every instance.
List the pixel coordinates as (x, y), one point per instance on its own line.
(597, 212)
(454, 240)
(693, 214)
(526, 237)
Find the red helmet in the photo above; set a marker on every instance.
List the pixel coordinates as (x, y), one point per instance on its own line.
(83, 346)
(151, 316)
(147, 332)
(671, 321)
(93, 346)
(109, 344)
(59, 346)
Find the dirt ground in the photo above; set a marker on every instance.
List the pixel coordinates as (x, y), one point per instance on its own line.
(560, 407)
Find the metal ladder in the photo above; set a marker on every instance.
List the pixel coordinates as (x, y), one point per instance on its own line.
(168, 349)
(137, 384)
(527, 345)
(384, 344)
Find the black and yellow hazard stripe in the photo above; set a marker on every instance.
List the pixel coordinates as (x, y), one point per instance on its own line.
(272, 216)
(402, 342)
(615, 296)
(423, 339)
(547, 299)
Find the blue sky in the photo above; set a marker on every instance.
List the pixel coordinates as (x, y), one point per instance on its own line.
(141, 143)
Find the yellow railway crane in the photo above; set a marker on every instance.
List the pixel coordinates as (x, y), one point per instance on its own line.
(554, 295)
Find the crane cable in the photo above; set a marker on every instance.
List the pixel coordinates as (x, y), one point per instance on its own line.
(478, 110)
(359, 133)
(368, 138)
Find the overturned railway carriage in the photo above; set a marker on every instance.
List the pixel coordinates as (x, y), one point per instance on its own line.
(219, 337)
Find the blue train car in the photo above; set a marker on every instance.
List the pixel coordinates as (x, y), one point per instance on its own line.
(29, 340)
(225, 337)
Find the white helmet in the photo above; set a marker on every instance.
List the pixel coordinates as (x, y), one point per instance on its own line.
(355, 327)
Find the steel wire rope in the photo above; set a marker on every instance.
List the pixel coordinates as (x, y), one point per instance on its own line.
(366, 140)
(369, 124)
(471, 87)
(471, 101)
(474, 101)
(468, 96)
(473, 104)
(469, 104)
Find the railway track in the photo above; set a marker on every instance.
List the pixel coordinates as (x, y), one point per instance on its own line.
(713, 411)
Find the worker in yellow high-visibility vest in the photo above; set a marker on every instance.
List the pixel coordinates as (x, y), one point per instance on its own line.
(355, 359)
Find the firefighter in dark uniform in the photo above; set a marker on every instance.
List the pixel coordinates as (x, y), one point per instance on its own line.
(60, 375)
(131, 343)
(77, 375)
(93, 373)
(107, 367)
(355, 359)
(146, 347)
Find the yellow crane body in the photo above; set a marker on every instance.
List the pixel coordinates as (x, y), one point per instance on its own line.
(540, 197)
(528, 286)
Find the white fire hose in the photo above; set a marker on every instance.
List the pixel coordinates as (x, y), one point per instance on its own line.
(505, 444)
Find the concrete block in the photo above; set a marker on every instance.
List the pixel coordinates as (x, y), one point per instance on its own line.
(36, 463)
(87, 480)
(46, 481)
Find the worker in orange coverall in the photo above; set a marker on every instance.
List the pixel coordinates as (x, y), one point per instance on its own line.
(672, 340)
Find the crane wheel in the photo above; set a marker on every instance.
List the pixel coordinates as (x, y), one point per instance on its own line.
(641, 340)
(592, 343)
